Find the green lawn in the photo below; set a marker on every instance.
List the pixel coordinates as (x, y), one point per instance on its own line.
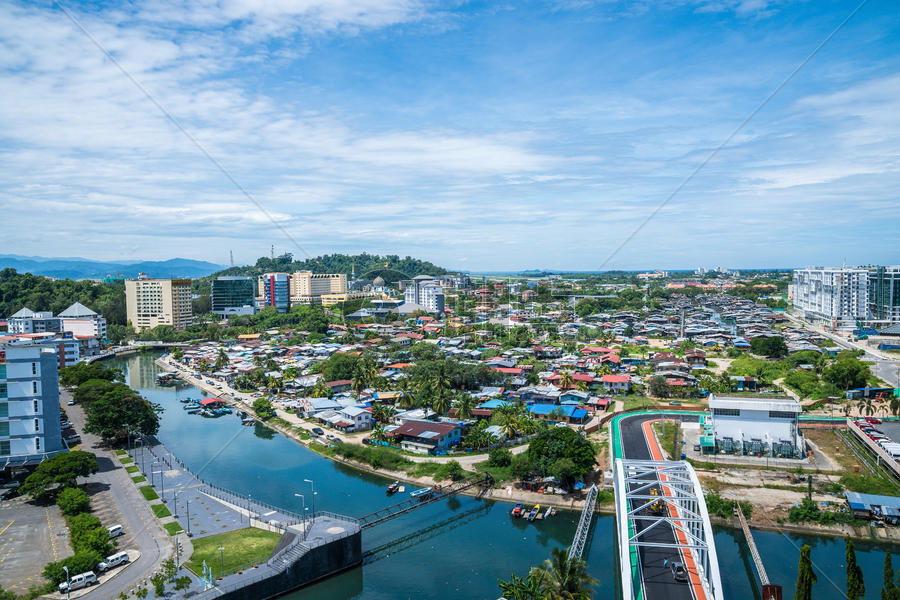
(161, 510)
(666, 435)
(242, 547)
(131, 469)
(173, 527)
(125, 460)
(121, 452)
(148, 492)
(500, 474)
(139, 479)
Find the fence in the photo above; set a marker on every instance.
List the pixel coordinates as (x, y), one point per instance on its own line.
(877, 450)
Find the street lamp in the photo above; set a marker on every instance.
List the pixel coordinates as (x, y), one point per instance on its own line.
(175, 503)
(187, 504)
(315, 493)
(303, 513)
(68, 583)
(162, 480)
(221, 561)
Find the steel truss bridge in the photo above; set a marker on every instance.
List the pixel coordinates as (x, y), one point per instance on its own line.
(411, 504)
(660, 506)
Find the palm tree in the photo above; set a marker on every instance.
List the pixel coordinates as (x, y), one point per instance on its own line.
(521, 588)
(564, 578)
(221, 359)
(378, 433)
(582, 386)
(203, 365)
(566, 380)
(895, 405)
(441, 403)
(381, 413)
(464, 404)
(865, 406)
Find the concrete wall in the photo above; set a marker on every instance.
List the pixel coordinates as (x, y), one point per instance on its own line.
(320, 562)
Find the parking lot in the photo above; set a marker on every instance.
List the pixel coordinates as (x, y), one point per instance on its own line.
(31, 535)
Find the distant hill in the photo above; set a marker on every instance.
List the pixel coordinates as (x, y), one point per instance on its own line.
(82, 268)
(366, 266)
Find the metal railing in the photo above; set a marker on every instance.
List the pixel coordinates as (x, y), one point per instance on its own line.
(584, 523)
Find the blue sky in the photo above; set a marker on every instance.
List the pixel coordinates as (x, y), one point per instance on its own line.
(477, 135)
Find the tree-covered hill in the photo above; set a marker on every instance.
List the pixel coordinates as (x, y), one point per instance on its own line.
(38, 293)
(330, 263)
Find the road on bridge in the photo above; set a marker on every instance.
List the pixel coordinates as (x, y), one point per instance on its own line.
(658, 582)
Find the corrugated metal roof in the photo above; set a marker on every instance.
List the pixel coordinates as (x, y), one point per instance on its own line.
(867, 501)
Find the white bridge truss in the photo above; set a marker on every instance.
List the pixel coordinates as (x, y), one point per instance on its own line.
(685, 513)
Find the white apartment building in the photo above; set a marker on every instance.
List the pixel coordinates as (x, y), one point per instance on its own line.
(153, 302)
(839, 295)
(26, 320)
(29, 405)
(425, 291)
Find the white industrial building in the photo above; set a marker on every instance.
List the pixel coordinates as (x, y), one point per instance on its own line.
(757, 425)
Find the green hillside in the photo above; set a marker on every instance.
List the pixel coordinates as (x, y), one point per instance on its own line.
(390, 267)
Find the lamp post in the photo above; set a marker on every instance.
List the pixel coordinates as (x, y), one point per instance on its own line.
(187, 504)
(68, 583)
(162, 480)
(303, 513)
(175, 504)
(314, 494)
(221, 561)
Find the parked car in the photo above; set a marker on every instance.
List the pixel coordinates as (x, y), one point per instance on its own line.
(318, 431)
(120, 558)
(115, 531)
(65, 425)
(78, 581)
(873, 420)
(72, 439)
(71, 402)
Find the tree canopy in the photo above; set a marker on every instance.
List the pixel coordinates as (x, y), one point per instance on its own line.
(18, 290)
(115, 409)
(58, 472)
(556, 444)
(80, 372)
(772, 346)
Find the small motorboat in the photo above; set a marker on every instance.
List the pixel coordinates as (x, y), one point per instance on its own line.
(517, 511)
(194, 410)
(421, 494)
(534, 512)
(393, 488)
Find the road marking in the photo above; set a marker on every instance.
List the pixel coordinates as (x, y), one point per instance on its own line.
(7, 527)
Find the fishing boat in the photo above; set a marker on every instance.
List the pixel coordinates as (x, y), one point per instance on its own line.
(248, 421)
(550, 512)
(517, 510)
(191, 406)
(186, 400)
(194, 410)
(534, 512)
(393, 488)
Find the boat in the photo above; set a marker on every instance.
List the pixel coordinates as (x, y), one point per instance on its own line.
(534, 512)
(421, 494)
(517, 511)
(194, 410)
(186, 400)
(550, 512)
(393, 488)
(191, 406)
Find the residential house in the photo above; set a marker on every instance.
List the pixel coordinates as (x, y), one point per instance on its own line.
(616, 383)
(427, 437)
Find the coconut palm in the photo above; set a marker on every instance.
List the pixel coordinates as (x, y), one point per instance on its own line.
(895, 405)
(582, 386)
(866, 406)
(566, 380)
(464, 404)
(521, 588)
(440, 403)
(221, 359)
(564, 578)
(381, 413)
(378, 433)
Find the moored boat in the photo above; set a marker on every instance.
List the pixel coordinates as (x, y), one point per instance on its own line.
(518, 510)
(534, 512)
(393, 488)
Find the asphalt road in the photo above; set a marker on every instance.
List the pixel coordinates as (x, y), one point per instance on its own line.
(141, 526)
(658, 580)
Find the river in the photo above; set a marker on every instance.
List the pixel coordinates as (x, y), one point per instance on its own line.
(452, 549)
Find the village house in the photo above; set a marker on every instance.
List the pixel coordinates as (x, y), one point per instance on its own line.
(427, 437)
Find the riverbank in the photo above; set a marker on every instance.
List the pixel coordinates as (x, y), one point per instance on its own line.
(509, 493)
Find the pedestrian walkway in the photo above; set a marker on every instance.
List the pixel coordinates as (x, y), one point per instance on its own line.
(201, 508)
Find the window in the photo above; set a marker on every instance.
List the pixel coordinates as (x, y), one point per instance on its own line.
(35, 406)
(781, 414)
(34, 368)
(37, 443)
(726, 412)
(34, 387)
(4, 409)
(4, 447)
(4, 427)
(3, 390)
(37, 424)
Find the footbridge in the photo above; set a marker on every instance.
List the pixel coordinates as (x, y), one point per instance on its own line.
(430, 497)
(666, 547)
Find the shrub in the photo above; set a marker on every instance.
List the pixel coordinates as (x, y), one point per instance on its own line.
(78, 563)
(500, 457)
(72, 501)
(449, 470)
(87, 534)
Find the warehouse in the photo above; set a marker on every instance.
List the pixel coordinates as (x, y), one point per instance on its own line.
(757, 425)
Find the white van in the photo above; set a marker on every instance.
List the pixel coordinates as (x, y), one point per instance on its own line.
(78, 581)
(115, 531)
(120, 558)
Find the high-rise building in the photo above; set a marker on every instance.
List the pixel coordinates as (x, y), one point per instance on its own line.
(839, 295)
(232, 295)
(884, 294)
(308, 287)
(274, 289)
(425, 291)
(29, 405)
(153, 302)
